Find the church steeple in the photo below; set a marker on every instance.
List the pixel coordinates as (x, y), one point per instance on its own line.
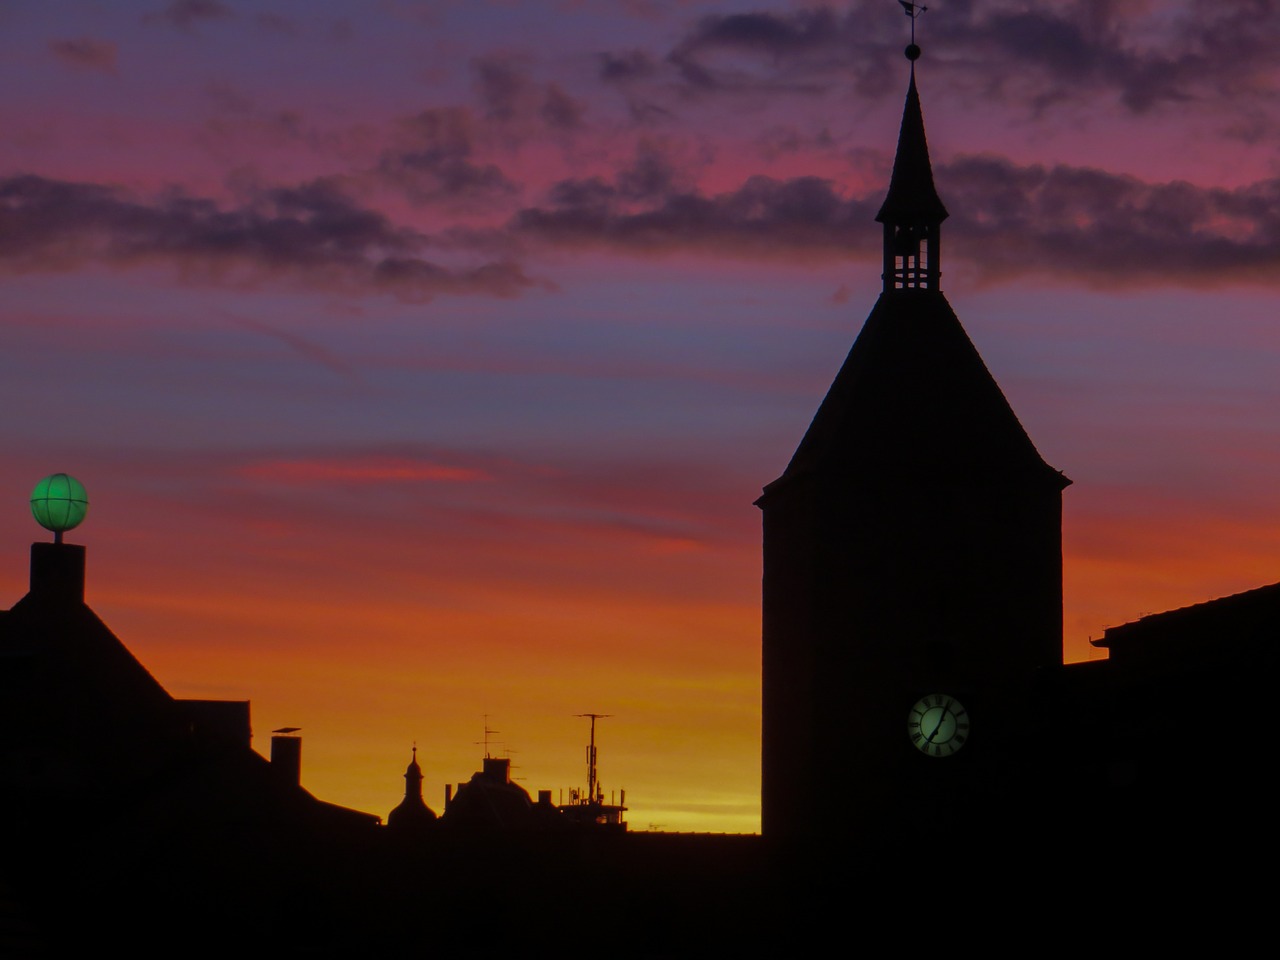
(912, 212)
(912, 548)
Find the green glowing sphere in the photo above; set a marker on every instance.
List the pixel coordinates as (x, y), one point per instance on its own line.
(59, 502)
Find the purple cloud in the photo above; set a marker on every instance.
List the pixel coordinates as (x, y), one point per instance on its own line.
(1007, 221)
(1029, 56)
(186, 13)
(310, 235)
(765, 217)
(433, 161)
(1109, 229)
(508, 94)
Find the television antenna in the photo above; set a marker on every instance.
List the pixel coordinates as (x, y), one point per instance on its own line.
(487, 734)
(591, 754)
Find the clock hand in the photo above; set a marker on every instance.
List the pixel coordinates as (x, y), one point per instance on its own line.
(936, 728)
(942, 719)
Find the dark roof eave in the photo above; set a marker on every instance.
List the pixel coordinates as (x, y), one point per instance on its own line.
(1124, 630)
(790, 477)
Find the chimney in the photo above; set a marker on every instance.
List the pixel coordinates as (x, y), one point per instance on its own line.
(497, 769)
(57, 572)
(286, 759)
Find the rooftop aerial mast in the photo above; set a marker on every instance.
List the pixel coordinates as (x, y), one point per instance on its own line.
(589, 808)
(591, 756)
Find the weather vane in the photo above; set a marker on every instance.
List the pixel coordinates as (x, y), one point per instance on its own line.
(913, 11)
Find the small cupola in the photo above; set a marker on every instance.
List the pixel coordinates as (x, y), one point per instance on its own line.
(912, 212)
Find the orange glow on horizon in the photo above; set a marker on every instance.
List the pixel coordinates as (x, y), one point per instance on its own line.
(680, 673)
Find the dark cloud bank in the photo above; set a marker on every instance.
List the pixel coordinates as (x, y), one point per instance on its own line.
(1085, 225)
(1026, 54)
(1108, 229)
(433, 161)
(310, 236)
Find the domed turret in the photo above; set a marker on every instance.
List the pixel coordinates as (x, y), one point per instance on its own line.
(413, 814)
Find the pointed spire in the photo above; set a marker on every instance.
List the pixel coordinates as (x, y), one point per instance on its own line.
(912, 199)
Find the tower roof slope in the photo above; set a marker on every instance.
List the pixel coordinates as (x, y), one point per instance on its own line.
(914, 396)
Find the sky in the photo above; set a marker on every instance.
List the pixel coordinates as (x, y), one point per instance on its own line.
(422, 360)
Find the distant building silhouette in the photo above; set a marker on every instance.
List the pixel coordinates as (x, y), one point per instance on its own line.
(491, 801)
(1168, 738)
(87, 728)
(412, 815)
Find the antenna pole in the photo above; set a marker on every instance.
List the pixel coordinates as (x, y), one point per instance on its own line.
(487, 734)
(591, 761)
(591, 755)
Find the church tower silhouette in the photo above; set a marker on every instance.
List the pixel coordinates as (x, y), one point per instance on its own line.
(912, 561)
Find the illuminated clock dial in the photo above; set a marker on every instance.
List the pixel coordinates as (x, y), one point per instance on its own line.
(938, 725)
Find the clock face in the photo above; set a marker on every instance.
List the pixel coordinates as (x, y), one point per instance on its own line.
(938, 725)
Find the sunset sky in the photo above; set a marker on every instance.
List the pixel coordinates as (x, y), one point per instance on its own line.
(422, 360)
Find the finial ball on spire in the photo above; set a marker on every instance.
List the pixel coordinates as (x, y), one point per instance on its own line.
(912, 52)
